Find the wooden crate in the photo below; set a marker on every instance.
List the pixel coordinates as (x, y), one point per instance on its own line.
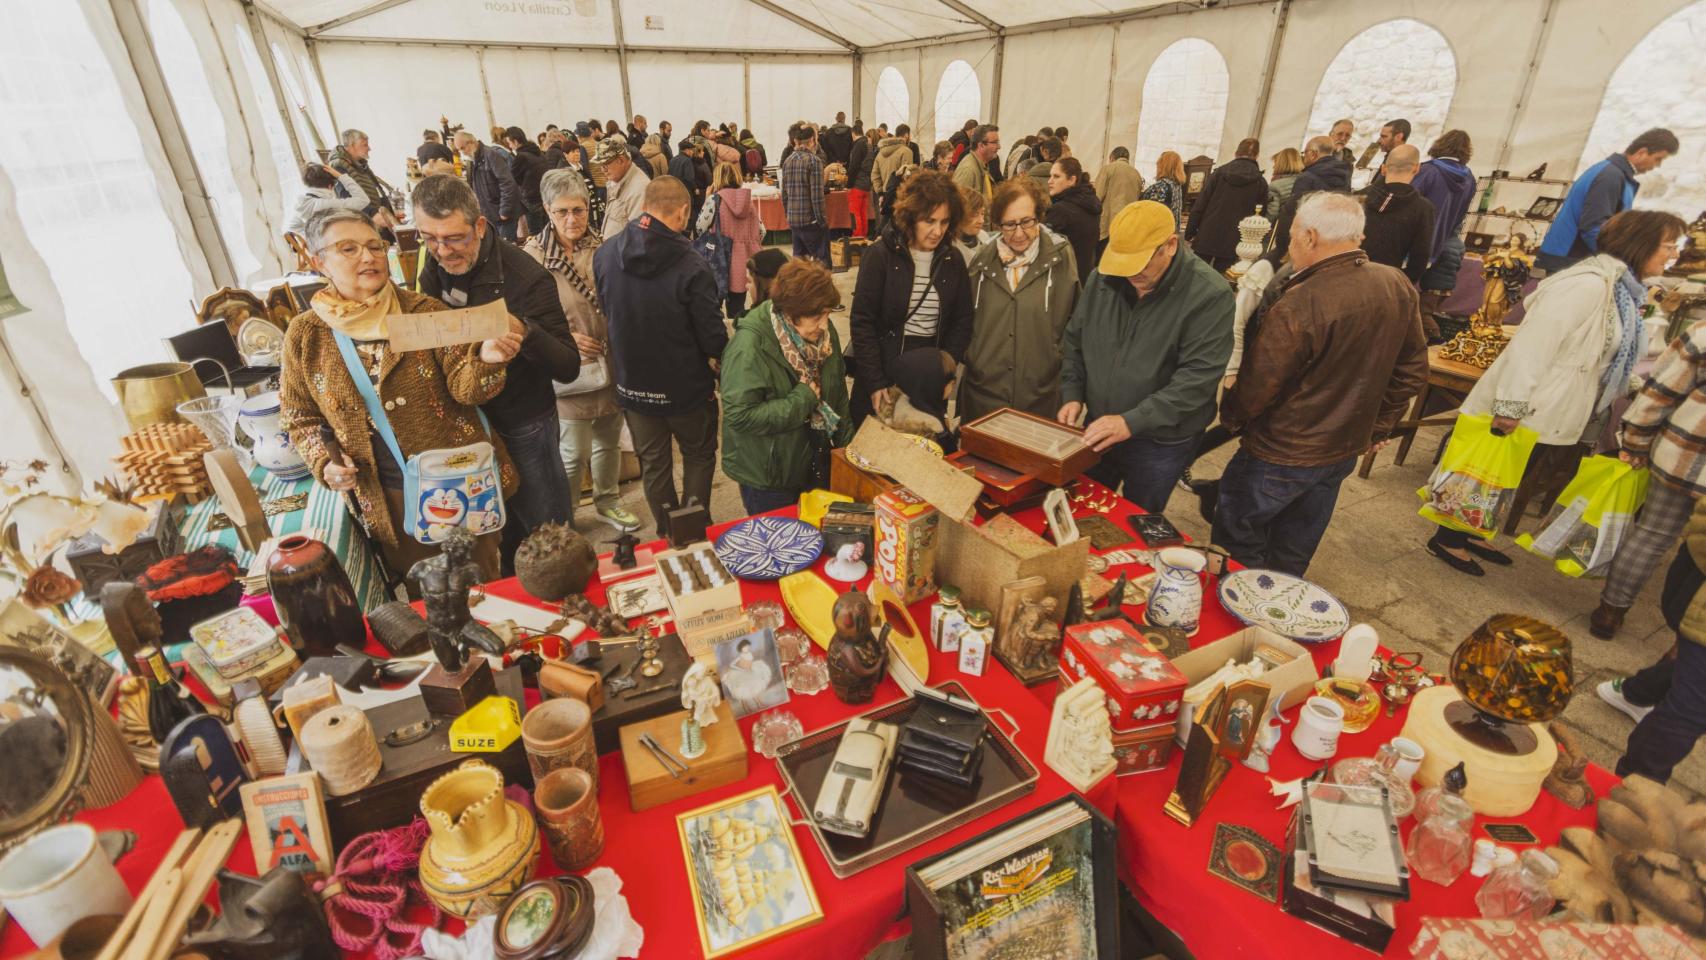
(649, 783)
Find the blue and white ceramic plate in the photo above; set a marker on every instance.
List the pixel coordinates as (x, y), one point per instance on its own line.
(769, 548)
(1289, 606)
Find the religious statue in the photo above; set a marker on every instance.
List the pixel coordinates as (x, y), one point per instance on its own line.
(1080, 737)
(1692, 259)
(700, 694)
(856, 658)
(1267, 737)
(444, 582)
(1505, 269)
(1036, 637)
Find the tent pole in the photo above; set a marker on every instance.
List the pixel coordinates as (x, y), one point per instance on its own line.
(485, 88)
(746, 91)
(157, 96)
(1108, 111)
(858, 85)
(1000, 57)
(320, 75)
(622, 60)
(263, 47)
(1519, 109)
(1282, 14)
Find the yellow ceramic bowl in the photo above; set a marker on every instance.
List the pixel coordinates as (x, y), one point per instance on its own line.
(906, 641)
(812, 603)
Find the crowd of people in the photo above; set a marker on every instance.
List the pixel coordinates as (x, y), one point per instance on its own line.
(640, 294)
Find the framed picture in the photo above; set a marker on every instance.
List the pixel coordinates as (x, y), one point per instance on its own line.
(1545, 208)
(1246, 701)
(751, 672)
(748, 882)
(1057, 510)
(22, 627)
(636, 597)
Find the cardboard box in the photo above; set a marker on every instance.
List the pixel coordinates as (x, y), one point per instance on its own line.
(906, 541)
(1294, 681)
(706, 594)
(1142, 686)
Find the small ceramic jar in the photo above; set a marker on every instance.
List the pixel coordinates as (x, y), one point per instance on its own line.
(558, 733)
(975, 641)
(1319, 725)
(566, 803)
(57, 877)
(946, 612)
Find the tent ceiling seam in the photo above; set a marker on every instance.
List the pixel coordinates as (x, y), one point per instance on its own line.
(380, 7)
(798, 20)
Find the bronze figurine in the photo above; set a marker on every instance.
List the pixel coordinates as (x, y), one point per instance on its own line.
(444, 582)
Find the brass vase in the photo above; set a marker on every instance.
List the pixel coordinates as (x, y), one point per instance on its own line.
(151, 393)
(483, 845)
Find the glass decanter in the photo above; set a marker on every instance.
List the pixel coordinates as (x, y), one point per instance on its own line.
(1380, 770)
(1519, 890)
(1440, 846)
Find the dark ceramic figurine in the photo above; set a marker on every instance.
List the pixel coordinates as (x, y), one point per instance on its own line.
(856, 658)
(444, 582)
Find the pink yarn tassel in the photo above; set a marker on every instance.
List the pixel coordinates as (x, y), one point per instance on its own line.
(379, 887)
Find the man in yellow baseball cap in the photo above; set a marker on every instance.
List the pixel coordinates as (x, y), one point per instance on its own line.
(1143, 355)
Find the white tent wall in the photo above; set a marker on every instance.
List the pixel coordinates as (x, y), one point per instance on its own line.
(392, 92)
(712, 88)
(784, 91)
(1042, 87)
(922, 67)
(532, 89)
(563, 22)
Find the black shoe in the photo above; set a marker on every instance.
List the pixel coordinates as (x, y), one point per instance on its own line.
(1488, 553)
(1208, 497)
(1456, 563)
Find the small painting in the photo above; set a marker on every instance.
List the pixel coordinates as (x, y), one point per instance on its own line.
(748, 882)
(1057, 509)
(751, 672)
(529, 918)
(22, 627)
(637, 597)
(1247, 859)
(1246, 701)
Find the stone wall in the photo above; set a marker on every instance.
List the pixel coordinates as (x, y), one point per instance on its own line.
(1400, 68)
(1184, 104)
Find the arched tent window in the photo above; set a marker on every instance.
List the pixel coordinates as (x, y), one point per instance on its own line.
(283, 159)
(958, 99)
(1184, 103)
(1397, 69)
(894, 103)
(1651, 88)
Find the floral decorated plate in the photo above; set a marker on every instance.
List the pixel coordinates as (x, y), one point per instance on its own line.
(769, 548)
(1289, 606)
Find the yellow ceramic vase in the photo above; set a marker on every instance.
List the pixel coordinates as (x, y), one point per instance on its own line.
(483, 845)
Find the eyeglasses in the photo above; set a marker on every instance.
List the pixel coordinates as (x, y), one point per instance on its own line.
(454, 240)
(572, 213)
(351, 249)
(1014, 226)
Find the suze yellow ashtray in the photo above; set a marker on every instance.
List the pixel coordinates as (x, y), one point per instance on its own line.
(488, 727)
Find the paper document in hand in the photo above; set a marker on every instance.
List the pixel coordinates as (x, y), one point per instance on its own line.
(446, 328)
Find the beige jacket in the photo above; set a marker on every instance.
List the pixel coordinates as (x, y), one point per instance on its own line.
(1117, 184)
(584, 317)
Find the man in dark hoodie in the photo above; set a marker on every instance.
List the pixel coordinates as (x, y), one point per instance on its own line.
(1399, 231)
(470, 266)
(666, 337)
(837, 140)
(1323, 169)
(527, 166)
(1232, 192)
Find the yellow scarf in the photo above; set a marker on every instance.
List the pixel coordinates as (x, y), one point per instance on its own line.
(357, 319)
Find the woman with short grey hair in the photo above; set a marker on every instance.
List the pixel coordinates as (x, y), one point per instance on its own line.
(590, 425)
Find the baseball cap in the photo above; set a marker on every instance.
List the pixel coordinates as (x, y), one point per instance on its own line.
(616, 145)
(1133, 237)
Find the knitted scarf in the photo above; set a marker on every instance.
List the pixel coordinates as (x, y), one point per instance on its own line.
(806, 357)
(558, 260)
(357, 319)
(1628, 294)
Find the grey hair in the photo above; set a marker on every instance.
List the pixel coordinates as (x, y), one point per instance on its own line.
(314, 231)
(1319, 147)
(562, 183)
(1335, 217)
(351, 137)
(443, 194)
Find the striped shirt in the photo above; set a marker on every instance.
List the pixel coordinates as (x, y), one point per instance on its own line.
(923, 305)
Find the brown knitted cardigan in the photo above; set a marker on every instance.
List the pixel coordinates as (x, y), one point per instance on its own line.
(429, 395)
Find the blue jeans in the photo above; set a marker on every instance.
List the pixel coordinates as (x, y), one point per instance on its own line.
(811, 240)
(1148, 469)
(757, 500)
(544, 494)
(1272, 516)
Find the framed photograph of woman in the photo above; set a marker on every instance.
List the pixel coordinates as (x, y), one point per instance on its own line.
(748, 882)
(751, 672)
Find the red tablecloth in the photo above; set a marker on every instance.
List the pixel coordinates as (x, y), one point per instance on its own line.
(1165, 864)
(834, 209)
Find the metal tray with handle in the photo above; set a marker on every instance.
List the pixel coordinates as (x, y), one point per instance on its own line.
(914, 809)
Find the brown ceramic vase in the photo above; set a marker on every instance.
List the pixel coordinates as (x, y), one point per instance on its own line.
(315, 601)
(558, 734)
(566, 803)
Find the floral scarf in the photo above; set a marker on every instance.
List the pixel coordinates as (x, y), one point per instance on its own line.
(357, 319)
(806, 357)
(1628, 294)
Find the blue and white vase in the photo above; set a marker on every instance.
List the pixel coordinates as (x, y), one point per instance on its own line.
(259, 418)
(1175, 598)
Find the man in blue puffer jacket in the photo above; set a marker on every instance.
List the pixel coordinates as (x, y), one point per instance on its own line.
(1604, 189)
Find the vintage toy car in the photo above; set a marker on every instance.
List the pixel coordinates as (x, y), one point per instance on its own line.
(847, 802)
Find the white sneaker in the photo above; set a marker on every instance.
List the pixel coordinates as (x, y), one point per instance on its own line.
(1611, 691)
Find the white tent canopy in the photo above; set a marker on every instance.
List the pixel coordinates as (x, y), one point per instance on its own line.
(156, 143)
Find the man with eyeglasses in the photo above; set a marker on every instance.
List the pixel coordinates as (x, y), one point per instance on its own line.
(469, 265)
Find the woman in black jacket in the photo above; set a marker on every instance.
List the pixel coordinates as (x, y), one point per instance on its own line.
(913, 292)
(1074, 212)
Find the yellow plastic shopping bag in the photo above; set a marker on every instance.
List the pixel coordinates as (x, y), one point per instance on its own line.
(1475, 483)
(1591, 517)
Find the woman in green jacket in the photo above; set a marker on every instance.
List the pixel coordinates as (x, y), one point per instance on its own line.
(784, 390)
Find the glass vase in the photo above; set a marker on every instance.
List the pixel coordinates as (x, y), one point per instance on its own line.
(1440, 845)
(1519, 890)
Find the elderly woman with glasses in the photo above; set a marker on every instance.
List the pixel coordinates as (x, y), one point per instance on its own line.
(589, 423)
(430, 397)
(1024, 286)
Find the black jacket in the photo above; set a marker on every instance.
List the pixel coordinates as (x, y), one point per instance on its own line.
(1327, 173)
(682, 168)
(553, 158)
(859, 164)
(663, 144)
(433, 151)
(881, 301)
(506, 272)
(1232, 192)
(666, 318)
(837, 143)
(1077, 215)
(494, 186)
(528, 166)
(1399, 228)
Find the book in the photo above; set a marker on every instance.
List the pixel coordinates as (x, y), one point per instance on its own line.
(1041, 885)
(287, 824)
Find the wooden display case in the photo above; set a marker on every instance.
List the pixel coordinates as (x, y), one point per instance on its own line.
(1052, 452)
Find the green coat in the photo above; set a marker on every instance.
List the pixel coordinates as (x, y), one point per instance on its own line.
(1014, 357)
(767, 440)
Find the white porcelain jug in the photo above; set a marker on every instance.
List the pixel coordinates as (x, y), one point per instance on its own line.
(1175, 598)
(259, 418)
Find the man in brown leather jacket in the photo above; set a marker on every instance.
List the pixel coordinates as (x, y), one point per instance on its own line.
(1329, 371)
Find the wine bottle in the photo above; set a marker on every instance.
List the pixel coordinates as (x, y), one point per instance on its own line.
(169, 701)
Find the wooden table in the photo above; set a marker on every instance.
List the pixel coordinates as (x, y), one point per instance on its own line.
(835, 211)
(1452, 376)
